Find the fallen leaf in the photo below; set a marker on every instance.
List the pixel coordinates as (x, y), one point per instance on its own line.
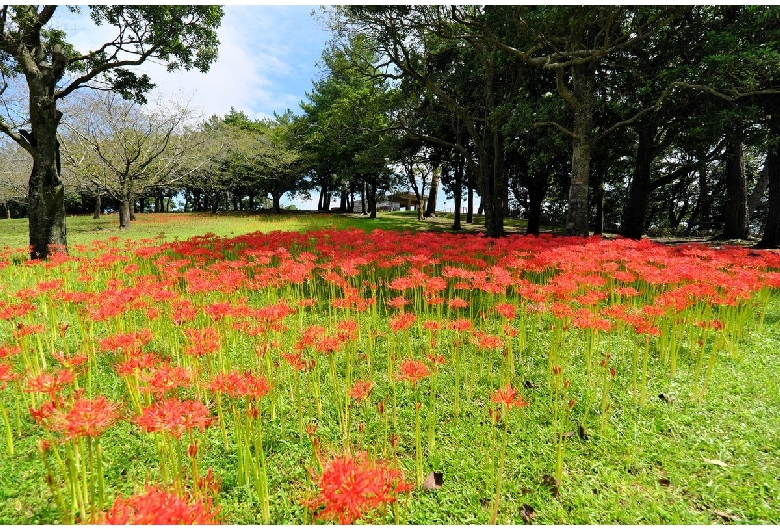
(530, 384)
(433, 481)
(583, 433)
(665, 398)
(552, 483)
(664, 482)
(527, 513)
(726, 516)
(720, 463)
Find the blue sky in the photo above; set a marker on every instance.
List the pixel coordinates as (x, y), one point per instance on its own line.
(268, 58)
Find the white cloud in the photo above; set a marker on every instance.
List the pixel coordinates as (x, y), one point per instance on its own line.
(266, 60)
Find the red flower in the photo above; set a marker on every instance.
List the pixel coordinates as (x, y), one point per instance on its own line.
(88, 417)
(350, 485)
(159, 507)
(6, 374)
(508, 397)
(508, 311)
(402, 322)
(413, 370)
(361, 390)
(174, 416)
(50, 384)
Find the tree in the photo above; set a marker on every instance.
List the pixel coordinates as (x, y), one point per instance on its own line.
(181, 36)
(348, 131)
(129, 150)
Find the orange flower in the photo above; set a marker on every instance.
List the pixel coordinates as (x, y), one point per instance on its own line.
(508, 397)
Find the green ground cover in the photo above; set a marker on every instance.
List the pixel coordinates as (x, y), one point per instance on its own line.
(647, 373)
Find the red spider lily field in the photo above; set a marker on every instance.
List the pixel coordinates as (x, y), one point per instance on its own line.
(389, 377)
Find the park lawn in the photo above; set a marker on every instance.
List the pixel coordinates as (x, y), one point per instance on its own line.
(694, 448)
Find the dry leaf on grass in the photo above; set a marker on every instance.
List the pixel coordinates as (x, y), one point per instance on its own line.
(527, 513)
(725, 516)
(720, 463)
(433, 481)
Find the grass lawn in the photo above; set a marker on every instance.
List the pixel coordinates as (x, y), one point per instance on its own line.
(647, 373)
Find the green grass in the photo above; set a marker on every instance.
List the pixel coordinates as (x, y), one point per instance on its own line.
(651, 465)
(83, 230)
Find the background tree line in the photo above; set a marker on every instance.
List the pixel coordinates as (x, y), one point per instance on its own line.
(631, 120)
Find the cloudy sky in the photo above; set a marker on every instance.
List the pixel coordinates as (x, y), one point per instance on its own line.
(267, 59)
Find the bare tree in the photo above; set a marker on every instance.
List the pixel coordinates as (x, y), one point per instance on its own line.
(128, 150)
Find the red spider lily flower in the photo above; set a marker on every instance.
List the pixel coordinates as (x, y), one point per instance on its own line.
(461, 324)
(413, 370)
(6, 374)
(486, 341)
(399, 302)
(458, 303)
(297, 362)
(202, 341)
(508, 311)
(44, 414)
(6, 350)
(174, 416)
(70, 362)
(166, 377)
(402, 322)
(508, 397)
(88, 417)
(349, 486)
(50, 384)
(136, 363)
(361, 390)
(237, 385)
(127, 342)
(156, 506)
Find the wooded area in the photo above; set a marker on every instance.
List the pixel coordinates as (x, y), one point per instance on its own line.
(594, 119)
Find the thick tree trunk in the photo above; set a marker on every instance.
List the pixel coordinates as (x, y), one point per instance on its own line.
(458, 190)
(430, 210)
(372, 199)
(635, 210)
(537, 187)
(577, 216)
(771, 236)
(735, 221)
(46, 194)
(494, 187)
(98, 206)
(277, 197)
(758, 191)
(124, 213)
(470, 184)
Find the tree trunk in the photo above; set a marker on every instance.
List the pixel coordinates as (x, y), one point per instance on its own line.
(430, 211)
(537, 187)
(771, 236)
(635, 210)
(735, 222)
(458, 191)
(124, 213)
(758, 191)
(46, 194)
(577, 216)
(363, 202)
(494, 186)
(98, 206)
(276, 197)
(372, 199)
(598, 228)
(470, 200)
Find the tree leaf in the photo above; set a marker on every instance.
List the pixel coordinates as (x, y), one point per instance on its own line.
(720, 463)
